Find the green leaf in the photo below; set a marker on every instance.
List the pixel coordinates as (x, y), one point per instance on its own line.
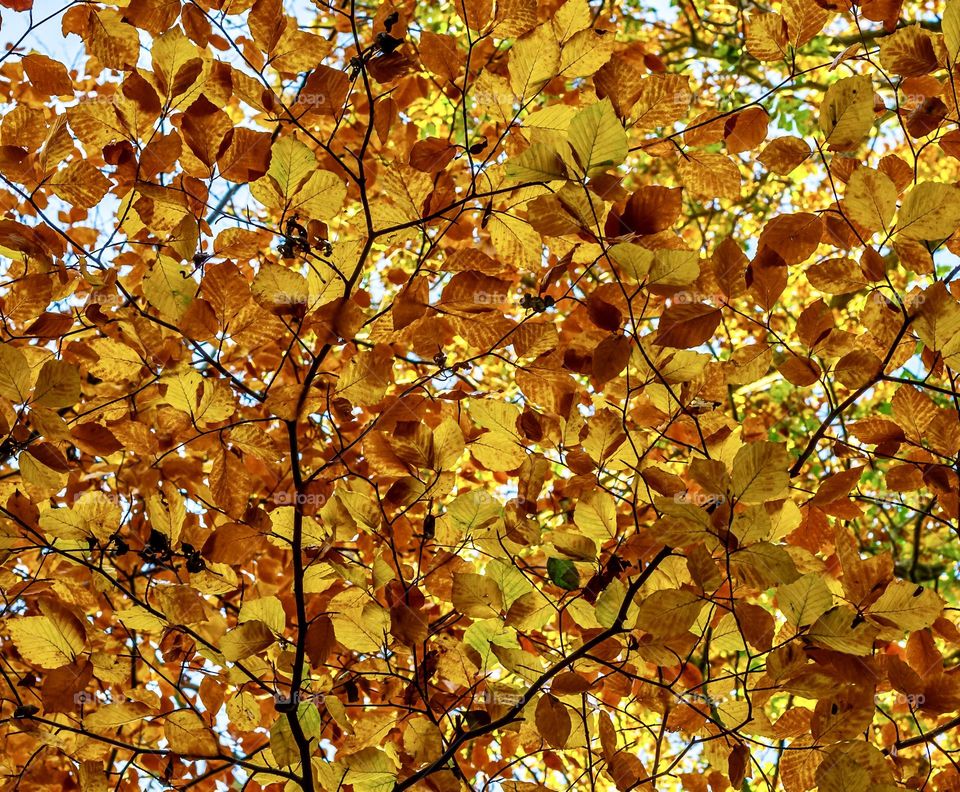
(597, 138)
(540, 162)
(283, 745)
(563, 573)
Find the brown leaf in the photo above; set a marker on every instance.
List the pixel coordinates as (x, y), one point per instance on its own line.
(603, 314)
(611, 357)
(745, 130)
(687, 325)
(648, 211)
(737, 765)
(431, 155)
(553, 721)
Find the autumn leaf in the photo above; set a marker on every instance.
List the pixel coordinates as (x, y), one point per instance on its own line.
(509, 394)
(687, 325)
(846, 114)
(188, 735)
(48, 641)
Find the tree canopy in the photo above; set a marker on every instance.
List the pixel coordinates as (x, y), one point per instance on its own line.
(480, 395)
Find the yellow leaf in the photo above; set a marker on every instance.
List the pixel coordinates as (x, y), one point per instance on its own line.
(170, 53)
(205, 400)
(188, 735)
(167, 515)
(49, 641)
(572, 16)
(938, 322)
(633, 261)
(804, 20)
(291, 163)
(668, 613)
(41, 481)
(298, 50)
(497, 450)
(951, 28)
(842, 629)
(472, 510)
(140, 619)
(596, 516)
(110, 716)
(760, 473)
(515, 241)
(370, 770)
(116, 361)
(80, 184)
(63, 524)
(767, 37)
(14, 374)
(243, 710)
(112, 41)
(476, 595)
(846, 113)
(726, 635)
(283, 746)
(447, 446)
(248, 639)
(931, 210)
(908, 52)
(320, 198)
(251, 439)
(268, 610)
(540, 162)
(907, 605)
(359, 622)
(663, 99)
(367, 376)
(805, 600)
(710, 176)
(277, 285)
(586, 52)
(871, 199)
(58, 385)
(534, 60)
(168, 288)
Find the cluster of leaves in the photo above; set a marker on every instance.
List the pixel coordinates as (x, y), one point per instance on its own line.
(482, 394)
